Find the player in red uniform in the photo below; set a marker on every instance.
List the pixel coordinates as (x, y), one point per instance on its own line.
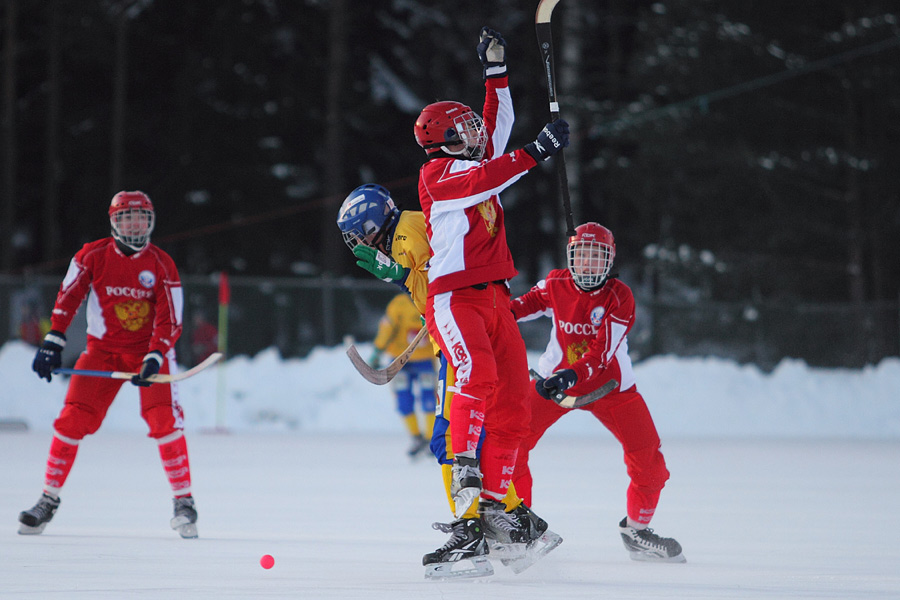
(133, 321)
(467, 312)
(592, 314)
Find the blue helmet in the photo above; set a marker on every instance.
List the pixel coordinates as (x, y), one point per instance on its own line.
(368, 216)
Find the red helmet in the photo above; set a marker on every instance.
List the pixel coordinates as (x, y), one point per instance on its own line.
(591, 252)
(132, 218)
(447, 123)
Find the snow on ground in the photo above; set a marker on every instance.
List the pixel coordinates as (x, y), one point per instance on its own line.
(697, 397)
(783, 486)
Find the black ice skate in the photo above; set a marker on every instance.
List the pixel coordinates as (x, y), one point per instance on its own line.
(534, 525)
(465, 485)
(519, 538)
(417, 446)
(644, 545)
(464, 554)
(501, 526)
(33, 520)
(185, 519)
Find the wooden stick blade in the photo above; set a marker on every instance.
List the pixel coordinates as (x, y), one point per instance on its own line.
(204, 364)
(382, 376)
(544, 10)
(579, 401)
(376, 376)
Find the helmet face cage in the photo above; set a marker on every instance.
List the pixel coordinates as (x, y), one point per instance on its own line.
(366, 215)
(590, 255)
(470, 129)
(133, 226)
(132, 218)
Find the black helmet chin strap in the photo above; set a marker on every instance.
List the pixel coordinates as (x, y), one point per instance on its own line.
(385, 237)
(126, 249)
(599, 285)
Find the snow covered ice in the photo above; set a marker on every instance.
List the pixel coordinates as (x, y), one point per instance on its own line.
(783, 486)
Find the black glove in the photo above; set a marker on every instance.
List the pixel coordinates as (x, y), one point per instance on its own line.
(550, 140)
(555, 386)
(150, 366)
(492, 52)
(49, 355)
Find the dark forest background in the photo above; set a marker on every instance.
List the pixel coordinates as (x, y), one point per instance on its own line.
(739, 151)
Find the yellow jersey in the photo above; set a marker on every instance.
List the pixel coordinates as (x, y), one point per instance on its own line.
(399, 325)
(411, 250)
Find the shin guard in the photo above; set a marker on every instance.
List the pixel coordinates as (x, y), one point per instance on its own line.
(59, 463)
(497, 467)
(174, 454)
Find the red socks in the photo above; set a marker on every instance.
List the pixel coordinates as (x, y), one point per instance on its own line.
(174, 454)
(172, 450)
(59, 463)
(466, 419)
(497, 467)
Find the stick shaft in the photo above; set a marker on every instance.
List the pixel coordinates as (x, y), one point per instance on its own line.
(158, 378)
(545, 43)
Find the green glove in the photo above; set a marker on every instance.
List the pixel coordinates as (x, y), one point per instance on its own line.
(375, 359)
(378, 264)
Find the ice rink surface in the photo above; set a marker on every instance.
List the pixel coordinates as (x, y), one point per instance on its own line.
(348, 516)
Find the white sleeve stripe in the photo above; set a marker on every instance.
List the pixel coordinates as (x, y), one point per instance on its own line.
(505, 119)
(541, 313)
(176, 302)
(617, 333)
(71, 274)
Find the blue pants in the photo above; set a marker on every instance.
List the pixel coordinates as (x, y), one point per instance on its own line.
(413, 375)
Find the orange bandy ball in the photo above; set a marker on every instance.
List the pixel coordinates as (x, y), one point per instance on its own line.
(267, 562)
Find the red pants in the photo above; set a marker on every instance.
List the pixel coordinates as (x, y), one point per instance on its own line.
(626, 416)
(89, 398)
(480, 338)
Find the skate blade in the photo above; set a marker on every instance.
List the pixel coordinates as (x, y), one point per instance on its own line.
(463, 499)
(507, 552)
(29, 530)
(187, 531)
(537, 550)
(184, 527)
(646, 556)
(468, 568)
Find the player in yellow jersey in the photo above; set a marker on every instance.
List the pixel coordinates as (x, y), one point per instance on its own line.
(393, 246)
(398, 327)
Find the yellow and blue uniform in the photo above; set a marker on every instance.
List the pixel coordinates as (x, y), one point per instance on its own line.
(399, 326)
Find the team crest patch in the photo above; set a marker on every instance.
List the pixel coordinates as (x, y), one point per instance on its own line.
(575, 351)
(147, 279)
(597, 316)
(489, 215)
(133, 315)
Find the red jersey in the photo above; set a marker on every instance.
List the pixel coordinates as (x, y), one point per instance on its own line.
(463, 214)
(135, 302)
(589, 329)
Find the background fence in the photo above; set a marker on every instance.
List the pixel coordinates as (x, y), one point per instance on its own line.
(296, 314)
